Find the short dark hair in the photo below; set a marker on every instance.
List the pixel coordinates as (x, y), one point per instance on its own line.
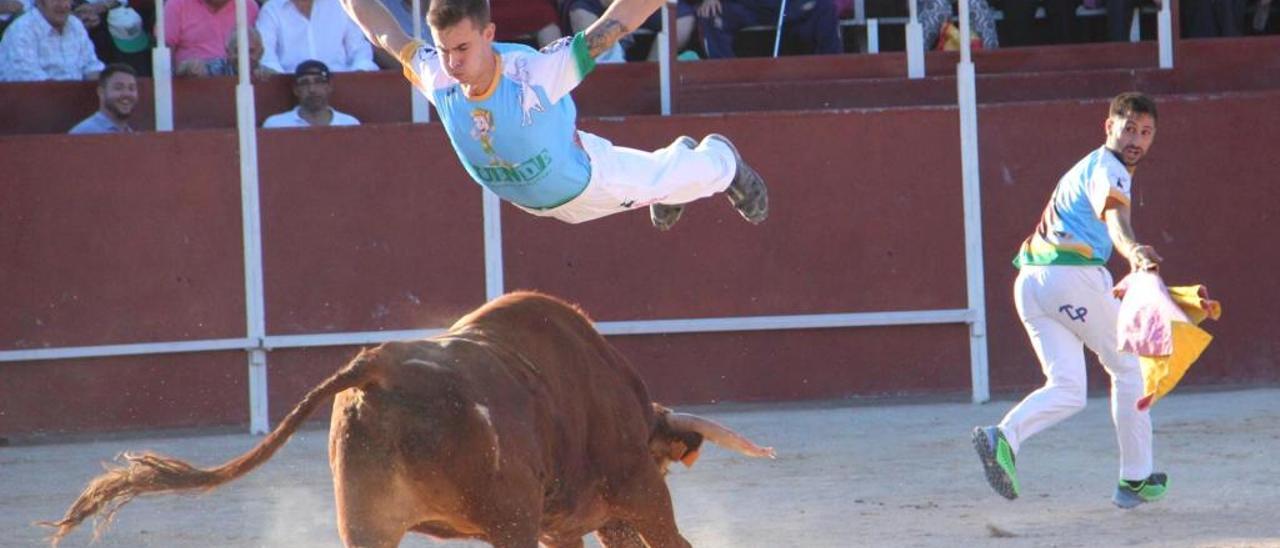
(447, 13)
(1131, 102)
(112, 70)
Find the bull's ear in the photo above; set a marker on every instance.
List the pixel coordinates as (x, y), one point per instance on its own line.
(678, 450)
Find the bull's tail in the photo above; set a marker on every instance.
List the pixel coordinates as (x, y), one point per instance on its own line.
(151, 473)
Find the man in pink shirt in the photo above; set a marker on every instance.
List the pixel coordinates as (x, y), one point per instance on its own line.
(199, 29)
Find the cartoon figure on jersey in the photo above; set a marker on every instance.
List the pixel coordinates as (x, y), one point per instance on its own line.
(529, 102)
(482, 130)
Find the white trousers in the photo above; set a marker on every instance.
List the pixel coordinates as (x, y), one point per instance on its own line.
(1064, 308)
(623, 178)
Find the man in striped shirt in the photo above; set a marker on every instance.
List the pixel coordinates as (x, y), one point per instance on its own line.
(48, 44)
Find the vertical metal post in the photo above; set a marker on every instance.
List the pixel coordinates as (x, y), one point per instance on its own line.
(664, 59)
(420, 111)
(915, 43)
(162, 75)
(974, 274)
(777, 37)
(1135, 29)
(873, 35)
(493, 267)
(1164, 30)
(255, 309)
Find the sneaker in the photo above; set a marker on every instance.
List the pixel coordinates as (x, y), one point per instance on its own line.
(664, 216)
(747, 192)
(997, 460)
(1151, 489)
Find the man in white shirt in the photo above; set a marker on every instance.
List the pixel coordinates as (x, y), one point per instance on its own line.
(312, 87)
(296, 30)
(48, 44)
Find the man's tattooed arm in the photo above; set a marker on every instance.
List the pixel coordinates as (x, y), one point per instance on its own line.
(603, 34)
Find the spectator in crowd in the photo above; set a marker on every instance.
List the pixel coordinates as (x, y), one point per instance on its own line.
(294, 31)
(1019, 15)
(533, 21)
(120, 34)
(1209, 18)
(229, 64)
(117, 95)
(1260, 14)
(312, 88)
(9, 9)
(1120, 16)
(93, 12)
(811, 21)
(580, 14)
(936, 13)
(48, 44)
(199, 29)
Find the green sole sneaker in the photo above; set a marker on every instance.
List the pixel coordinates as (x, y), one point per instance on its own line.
(997, 460)
(1150, 490)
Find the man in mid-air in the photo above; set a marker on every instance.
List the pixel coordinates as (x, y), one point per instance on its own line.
(508, 112)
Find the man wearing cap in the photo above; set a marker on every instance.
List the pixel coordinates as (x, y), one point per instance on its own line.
(117, 95)
(312, 88)
(125, 26)
(48, 45)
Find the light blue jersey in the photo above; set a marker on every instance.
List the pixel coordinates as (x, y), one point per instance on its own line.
(1071, 230)
(520, 139)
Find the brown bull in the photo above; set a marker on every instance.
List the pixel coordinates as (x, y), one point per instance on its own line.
(520, 424)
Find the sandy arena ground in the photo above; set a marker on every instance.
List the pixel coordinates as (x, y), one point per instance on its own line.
(888, 474)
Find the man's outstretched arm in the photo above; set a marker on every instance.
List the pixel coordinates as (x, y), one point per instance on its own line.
(378, 25)
(623, 17)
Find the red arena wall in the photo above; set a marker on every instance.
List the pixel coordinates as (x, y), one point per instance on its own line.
(138, 239)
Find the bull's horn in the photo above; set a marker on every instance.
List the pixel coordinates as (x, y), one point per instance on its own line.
(719, 434)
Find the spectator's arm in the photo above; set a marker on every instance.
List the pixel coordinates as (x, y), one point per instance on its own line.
(262, 74)
(359, 50)
(269, 27)
(90, 65)
(622, 17)
(89, 15)
(103, 6)
(192, 67)
(12, 7)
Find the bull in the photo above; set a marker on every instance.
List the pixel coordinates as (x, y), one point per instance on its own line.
(519, 425)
